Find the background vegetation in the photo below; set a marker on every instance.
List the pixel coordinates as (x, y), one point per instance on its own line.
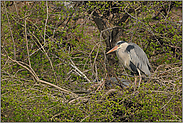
(54, 65)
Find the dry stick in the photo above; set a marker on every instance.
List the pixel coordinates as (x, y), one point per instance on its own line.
(36, 27)
(102, 83)
(69, 92)
(155, 72)
(90, 58)
(94, 64)
(10, 32)
(46, 21)
(42, 81)
(79, 71)
(167, 102)
(55, 115)
(28, 66)
(170, 100)
(110, 91)
(74, 66)
(79, 98)
(4, 64)
(16, 9)
(96, 72)
(27, 43)
(47, 57)
(180, 68)
(85, 118)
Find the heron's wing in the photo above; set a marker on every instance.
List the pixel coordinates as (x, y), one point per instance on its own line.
(139, 58)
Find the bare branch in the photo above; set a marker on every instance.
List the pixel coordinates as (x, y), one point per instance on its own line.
(42, 81)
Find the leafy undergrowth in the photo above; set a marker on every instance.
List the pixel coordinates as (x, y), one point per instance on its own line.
(35, 102)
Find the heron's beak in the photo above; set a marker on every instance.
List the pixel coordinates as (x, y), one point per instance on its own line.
(113, 49)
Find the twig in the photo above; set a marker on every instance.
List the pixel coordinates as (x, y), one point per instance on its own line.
(111, 91)
(56, 115)
(10, 31)
(27, 43)
(91, 58)
(170, 99)
(103, 83)
(79, 71)
(46, 56)
(46, 21)
(84, 118)
(94, 63)
(79, 98)
(167, 102)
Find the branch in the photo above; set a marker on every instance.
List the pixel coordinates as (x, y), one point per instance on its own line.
(42, 81)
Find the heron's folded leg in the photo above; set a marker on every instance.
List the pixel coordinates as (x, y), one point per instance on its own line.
(140, 77)
(135, 82)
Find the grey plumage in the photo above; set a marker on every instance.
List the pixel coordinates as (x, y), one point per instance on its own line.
(132, 57)
(139, 59)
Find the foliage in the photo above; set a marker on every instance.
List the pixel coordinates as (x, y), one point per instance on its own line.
(53, 61)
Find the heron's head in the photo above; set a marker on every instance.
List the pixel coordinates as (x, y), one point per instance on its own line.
(118, 45)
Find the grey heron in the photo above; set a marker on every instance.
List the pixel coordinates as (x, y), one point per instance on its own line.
(133, 58)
